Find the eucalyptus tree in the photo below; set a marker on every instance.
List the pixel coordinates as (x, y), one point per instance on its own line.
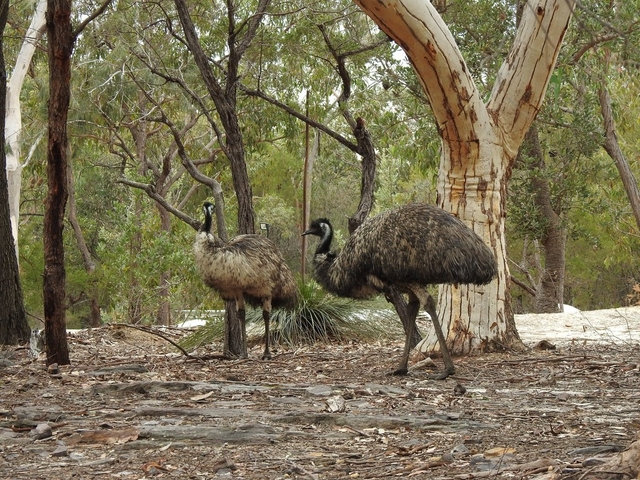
(134, 116)
(332, 69)
(13, 128)
(168, 71)
(479, 142)
(612, 44)
(334, 54)
(61, 37)
(13, 323)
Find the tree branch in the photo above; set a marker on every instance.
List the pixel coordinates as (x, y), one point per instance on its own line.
(99, 11)
(151, 192)
(291, 111)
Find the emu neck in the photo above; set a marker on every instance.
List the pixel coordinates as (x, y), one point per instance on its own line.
(206, 227)
(325, 241)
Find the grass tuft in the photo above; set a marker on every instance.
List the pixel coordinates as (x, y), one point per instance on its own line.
(317, 317)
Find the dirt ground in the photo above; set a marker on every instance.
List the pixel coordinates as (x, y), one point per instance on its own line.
(131, 406)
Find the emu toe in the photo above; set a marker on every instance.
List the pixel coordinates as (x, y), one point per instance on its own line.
(399, 371)
(446, 373)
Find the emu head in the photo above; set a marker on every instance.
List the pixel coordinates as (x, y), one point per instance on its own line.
(319, 227)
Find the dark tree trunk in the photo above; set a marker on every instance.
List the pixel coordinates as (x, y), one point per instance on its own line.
(612, 147)
(14, 328)
(235, 333)
(61, 40)
(550, 290)
(224, 99)
(367, 187)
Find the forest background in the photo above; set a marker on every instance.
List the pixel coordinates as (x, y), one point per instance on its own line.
(139, 105)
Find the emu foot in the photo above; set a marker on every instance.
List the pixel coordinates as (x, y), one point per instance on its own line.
(266, 356)
(399, 371)
(443, 375)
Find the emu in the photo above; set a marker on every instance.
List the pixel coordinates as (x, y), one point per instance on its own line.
(401, 251)
(248, 268)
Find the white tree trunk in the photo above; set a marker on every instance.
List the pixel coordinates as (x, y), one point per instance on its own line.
(13, 116)
(479, 144)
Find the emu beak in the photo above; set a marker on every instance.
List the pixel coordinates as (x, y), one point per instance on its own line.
(307, 232)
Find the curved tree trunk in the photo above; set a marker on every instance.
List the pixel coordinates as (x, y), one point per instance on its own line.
(224, 98)
(612, 147)
(479, 144)
(368, 176)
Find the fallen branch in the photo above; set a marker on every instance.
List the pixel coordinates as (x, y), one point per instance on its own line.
(158, 334)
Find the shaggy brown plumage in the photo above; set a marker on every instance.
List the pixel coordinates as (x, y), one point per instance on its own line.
(403, 250)
(248, 268)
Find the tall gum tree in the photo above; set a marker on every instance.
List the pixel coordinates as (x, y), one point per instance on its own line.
(14, 328)
(13, 116)
(479, 144)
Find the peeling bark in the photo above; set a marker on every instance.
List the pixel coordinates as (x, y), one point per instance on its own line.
(479, 144)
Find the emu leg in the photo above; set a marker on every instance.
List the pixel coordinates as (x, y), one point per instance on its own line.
(407, 313)
(449, 368)
(265, 316)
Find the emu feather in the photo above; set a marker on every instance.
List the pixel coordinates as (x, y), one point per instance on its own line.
(404, 250)
(248, 268)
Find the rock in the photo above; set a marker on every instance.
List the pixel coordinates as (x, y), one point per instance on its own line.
(42, 430)
(5, 362)
(60, 451)
(544, 345)
(460, 449)
(385, 389)
(128, 368)
(319, 390)
(336, 404)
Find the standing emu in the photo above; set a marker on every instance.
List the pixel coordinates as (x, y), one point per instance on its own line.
(403, 250)
(249, 267)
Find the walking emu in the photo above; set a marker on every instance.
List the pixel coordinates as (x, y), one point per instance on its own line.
(249, 267)
(403, 250)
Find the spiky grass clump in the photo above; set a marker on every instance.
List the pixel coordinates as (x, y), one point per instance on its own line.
(317, 317)
(208, 333)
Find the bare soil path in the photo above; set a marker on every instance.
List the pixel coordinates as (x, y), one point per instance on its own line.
(131, 406)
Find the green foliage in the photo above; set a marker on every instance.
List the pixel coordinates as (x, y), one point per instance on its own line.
(586, 189)
(118, 103)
